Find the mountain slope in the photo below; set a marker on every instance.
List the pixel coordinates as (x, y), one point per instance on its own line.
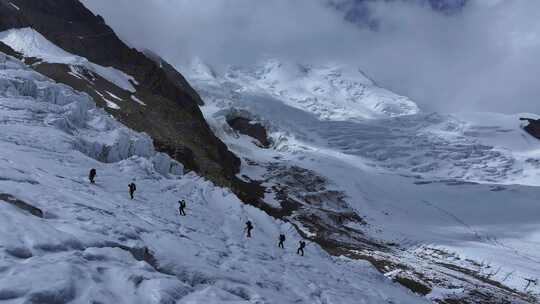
(85, 243)
(429, 199)
(171, 115)
(444, 205)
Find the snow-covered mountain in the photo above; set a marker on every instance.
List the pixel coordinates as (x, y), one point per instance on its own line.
(449, 192)
(347, 112)
(397, 205)
(331, 92)
(64, 240)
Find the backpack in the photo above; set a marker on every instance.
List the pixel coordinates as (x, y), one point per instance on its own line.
(282, 237)
(248, 225)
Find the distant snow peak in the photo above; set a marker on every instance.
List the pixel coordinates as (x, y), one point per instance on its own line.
(331, 92)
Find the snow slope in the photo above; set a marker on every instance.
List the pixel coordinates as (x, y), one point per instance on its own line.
(30, 43)
(477, 147)
(94, 245)
(466, 184)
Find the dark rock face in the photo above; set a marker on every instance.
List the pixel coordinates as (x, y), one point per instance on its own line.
(533, 127)
(175, 76)
(171, 115)
(247, 127)
(7, 50)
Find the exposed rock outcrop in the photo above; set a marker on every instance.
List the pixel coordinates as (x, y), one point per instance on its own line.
(533, 127)
(174, 76)
(10, 199)
(253, 129)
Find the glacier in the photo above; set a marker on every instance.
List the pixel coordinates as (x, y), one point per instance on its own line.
(91, 244)
(454, 194)
(444, 188)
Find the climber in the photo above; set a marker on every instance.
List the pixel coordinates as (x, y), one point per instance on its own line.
(301, 248)
(182, 207)
(92, 176)
(132, 189)
(281, 240)
(248, 229)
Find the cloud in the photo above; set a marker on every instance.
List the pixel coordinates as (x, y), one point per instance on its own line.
(483, 58)
(227, 31)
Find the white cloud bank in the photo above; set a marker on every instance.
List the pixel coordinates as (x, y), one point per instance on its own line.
(484, 58)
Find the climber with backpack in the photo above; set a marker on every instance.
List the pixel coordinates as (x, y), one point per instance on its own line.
(301, 248)
(132, 188)
(182, 207)
(92, 176)
(281, 241)
(248, 229)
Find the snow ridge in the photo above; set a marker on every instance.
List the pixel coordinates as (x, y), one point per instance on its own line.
(331, 92)
(30, 43)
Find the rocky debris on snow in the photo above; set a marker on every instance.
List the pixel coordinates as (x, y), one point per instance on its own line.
(323, 216)
(442, 276)
(414, 285)
(319, 213)
(10, 199)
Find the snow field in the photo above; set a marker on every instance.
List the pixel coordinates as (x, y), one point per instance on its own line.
(95, 245)
(30, 43)
(412, 178)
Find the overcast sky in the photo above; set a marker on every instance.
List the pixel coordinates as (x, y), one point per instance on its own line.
(485, 58)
